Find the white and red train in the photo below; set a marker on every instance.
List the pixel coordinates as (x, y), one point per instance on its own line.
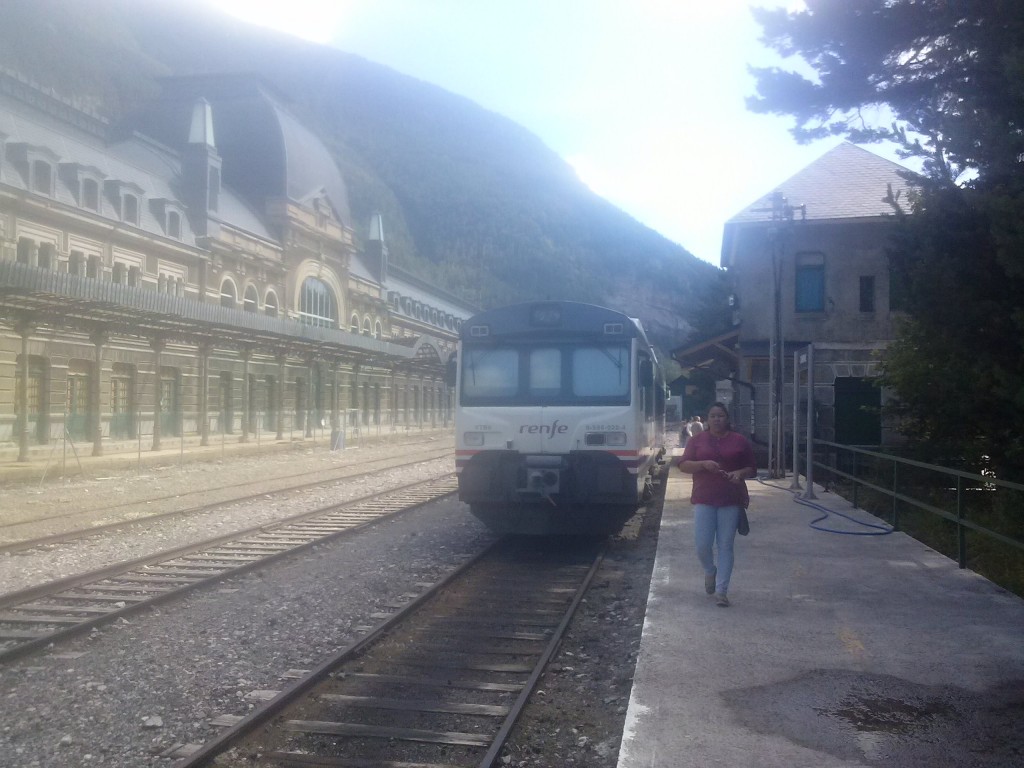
(559, 418)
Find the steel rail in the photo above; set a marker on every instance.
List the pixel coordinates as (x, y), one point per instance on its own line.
(282, 539)
(300, 687)
(305, 688)
(19, 546)
(549, 652)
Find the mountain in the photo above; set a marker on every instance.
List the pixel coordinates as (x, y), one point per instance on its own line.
(473, 202)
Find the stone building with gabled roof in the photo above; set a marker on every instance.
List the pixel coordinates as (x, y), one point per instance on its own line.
(197, 270)
(808, 264)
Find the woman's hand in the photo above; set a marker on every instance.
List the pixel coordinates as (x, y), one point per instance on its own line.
(709, 466)
(736, 476)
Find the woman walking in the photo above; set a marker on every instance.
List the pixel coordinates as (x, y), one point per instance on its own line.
(720, 460)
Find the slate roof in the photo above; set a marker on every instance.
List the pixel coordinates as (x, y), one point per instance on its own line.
(267, 151)
(132, 158)
(132, 161)
(847, 182)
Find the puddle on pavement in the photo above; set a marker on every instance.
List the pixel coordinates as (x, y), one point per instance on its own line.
(880, 719)
(888, 715)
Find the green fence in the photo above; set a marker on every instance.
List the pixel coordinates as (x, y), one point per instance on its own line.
(977, 519)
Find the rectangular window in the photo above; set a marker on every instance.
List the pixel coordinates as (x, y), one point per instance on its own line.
(131, 209)
(600, 372)
(867, 293)
(546, 375)
(490, 373)
(118, 395)
(42, 177)
(545, 367)
(810, 288)
(90, 195)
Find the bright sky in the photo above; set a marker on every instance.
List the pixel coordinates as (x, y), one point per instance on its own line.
(644, 98)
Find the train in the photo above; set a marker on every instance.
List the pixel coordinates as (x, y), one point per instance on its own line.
(559, 418)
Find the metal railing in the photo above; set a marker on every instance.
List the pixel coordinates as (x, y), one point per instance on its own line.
(900, 488)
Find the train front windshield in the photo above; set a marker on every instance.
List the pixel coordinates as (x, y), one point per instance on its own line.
(546, 375)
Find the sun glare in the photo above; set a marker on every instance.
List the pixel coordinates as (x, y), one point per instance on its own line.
(313, 20)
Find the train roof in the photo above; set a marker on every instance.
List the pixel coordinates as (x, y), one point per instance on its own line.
(542, 318)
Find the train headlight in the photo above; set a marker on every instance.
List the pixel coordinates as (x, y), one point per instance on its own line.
(605, 438)
(473, 438)
(615, 438)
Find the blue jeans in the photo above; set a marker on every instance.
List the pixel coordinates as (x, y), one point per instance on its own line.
(711, 524)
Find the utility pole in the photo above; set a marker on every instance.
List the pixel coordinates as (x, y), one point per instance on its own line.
(782, 218)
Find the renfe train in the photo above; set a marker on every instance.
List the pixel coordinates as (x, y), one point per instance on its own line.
(559, 418)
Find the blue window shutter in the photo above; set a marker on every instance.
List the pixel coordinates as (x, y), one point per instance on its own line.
(810, 289)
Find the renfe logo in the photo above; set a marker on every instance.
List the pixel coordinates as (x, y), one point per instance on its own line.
(541, 429)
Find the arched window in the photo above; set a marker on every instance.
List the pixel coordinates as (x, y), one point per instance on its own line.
(317, 305)
(228, 297)
(378, 331)
(366, 327)
(270, 304)
(353, 324)
(251, 301)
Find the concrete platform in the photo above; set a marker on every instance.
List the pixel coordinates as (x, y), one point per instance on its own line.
(837, 650)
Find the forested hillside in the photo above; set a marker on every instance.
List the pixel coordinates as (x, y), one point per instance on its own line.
(473, 202)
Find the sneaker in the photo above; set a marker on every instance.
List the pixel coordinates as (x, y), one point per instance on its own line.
(722, 600)
(709, 581)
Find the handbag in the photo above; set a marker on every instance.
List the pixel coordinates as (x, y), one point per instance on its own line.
(743, 526)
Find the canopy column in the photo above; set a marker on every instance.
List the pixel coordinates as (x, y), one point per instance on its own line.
(158, 345)
(99, 339)
(246, 355)
(24, 327)
(204, 392)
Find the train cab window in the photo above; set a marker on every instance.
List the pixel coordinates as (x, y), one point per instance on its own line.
(600, 371)
(489, 373)
(545, 370)
(567, 374)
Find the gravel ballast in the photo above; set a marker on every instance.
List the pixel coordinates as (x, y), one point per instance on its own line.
(127, 694)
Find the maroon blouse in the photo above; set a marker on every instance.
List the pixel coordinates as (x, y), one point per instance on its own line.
(732, 451)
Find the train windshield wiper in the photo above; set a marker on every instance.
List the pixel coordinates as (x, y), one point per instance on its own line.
(473, 358)
(617, 362)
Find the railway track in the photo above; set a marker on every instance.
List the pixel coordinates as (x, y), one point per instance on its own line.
(39, 616)
(439, 685)
(224, 495)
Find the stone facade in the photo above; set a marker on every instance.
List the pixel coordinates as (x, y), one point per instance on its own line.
(808, 265)
(197, 273)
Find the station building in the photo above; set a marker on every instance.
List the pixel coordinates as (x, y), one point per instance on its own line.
(198, 273)
(808, 266)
